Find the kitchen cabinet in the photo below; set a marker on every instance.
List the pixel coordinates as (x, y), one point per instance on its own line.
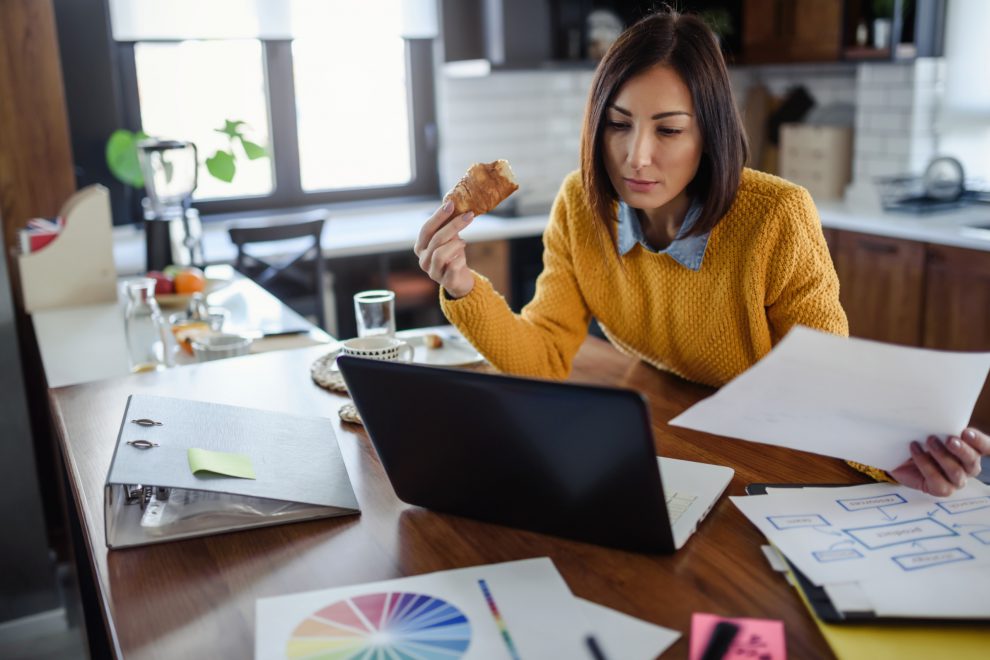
(881, 286)
(798, 31)
(916, 294)
(491, 259)
(957, 307)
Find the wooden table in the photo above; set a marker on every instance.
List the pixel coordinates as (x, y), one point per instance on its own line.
(196, 598)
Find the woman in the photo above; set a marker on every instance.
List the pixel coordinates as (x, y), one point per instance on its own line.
(687, 260)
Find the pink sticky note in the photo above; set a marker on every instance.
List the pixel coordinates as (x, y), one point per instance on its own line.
(757, 639)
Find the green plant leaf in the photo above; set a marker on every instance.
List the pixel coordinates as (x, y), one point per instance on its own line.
(122, 156)
(221, 165)
(253, 151)
(231, 129)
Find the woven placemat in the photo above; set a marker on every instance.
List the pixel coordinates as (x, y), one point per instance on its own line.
(348, 412)
(326, 375)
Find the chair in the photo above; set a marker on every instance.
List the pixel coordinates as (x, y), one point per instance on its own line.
(294, 276)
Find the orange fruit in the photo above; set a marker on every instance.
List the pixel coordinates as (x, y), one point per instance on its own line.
(186, 331)
(189, 280)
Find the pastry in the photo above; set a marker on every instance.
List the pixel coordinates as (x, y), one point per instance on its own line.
(431, 340)
(482, 188)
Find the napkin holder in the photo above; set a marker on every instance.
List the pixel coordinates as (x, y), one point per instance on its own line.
(77, 267)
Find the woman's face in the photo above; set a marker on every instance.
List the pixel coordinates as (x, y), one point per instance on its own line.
(652, 139)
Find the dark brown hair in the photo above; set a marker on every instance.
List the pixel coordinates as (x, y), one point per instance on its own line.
(687, 45)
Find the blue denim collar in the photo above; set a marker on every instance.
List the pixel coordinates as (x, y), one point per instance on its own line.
(687, 251)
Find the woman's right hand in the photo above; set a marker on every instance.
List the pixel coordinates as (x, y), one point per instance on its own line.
(440, 249)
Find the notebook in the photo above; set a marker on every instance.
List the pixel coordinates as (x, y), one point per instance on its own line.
(575, 461)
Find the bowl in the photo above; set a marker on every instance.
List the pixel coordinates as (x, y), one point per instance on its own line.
(219, 346)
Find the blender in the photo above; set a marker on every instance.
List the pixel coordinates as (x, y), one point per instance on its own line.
(172, 228)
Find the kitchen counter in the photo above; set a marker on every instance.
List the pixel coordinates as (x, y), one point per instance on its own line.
(351, 233)
(395, 228)
(967, 227)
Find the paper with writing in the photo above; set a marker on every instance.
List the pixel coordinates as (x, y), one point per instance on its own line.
(875, 531)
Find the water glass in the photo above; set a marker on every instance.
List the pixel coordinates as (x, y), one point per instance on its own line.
(375, 311)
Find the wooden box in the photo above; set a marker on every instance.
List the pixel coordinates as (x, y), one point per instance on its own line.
(817, 157)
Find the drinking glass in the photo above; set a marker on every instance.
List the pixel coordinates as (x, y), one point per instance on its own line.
(145, 327)
(375, 311)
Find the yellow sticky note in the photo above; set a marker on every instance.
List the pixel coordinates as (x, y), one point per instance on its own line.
(220, 462)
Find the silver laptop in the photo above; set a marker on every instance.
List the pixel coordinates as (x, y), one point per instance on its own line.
(576, 461)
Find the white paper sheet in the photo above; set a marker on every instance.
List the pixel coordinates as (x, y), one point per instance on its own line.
(848, 398)
(472, 613)
(959, 594)
(622, 636)
(876, 531)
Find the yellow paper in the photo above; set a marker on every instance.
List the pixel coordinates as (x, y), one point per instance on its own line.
(220, 462)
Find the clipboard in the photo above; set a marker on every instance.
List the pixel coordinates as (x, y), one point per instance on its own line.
(152, 495)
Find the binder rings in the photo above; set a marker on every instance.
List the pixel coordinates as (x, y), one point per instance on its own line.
(151, 494)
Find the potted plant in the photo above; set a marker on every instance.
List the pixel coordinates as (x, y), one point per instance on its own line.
(122, 154)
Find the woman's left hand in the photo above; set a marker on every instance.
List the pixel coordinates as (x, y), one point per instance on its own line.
(945, 466)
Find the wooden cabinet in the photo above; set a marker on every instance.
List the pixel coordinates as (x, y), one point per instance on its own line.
(957, 307)
(491, 259)
(881, 286)
(916, 294)
(795, 31)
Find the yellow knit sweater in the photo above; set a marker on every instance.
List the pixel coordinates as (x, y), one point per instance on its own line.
(766, 268)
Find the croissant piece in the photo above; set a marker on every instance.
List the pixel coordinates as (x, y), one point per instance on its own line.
(483, 187)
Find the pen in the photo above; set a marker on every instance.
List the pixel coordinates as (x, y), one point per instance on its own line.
(596, 651)
(720, 641)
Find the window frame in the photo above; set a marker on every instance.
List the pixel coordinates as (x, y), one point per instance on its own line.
(287, 192)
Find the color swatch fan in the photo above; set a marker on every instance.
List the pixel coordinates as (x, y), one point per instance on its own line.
(387, 625)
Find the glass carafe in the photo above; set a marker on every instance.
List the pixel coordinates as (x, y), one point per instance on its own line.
(145, 327)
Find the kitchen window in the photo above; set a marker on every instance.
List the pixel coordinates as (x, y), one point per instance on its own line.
(339, 95)
(186, 91)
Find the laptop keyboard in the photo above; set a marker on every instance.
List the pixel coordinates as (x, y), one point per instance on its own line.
(677, 504)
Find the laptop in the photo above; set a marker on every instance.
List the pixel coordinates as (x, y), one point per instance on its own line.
(575, 461)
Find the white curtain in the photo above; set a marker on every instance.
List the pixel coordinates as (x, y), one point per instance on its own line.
(143, 20)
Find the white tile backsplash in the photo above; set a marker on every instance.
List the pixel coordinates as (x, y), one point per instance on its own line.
(533, 118)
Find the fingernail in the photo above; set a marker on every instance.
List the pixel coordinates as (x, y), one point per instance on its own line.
(933, 441)
(468, 217)
(955, 442)
(448, 205)
(969, 434)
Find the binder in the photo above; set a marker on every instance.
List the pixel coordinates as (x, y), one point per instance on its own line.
(152, 495)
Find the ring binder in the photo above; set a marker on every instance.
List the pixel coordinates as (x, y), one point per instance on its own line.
(300, 472)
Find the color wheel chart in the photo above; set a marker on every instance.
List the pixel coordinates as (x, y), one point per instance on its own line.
(382, 626)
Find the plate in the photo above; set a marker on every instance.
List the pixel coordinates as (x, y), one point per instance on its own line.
(455, 352)
(182, 299)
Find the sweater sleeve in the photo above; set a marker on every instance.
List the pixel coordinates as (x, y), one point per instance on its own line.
(802, 285)
(542, 340)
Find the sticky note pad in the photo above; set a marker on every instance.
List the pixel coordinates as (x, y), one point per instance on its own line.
(762, 639)
(220, 462)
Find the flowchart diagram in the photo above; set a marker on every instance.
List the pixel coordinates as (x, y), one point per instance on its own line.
(860, 532)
